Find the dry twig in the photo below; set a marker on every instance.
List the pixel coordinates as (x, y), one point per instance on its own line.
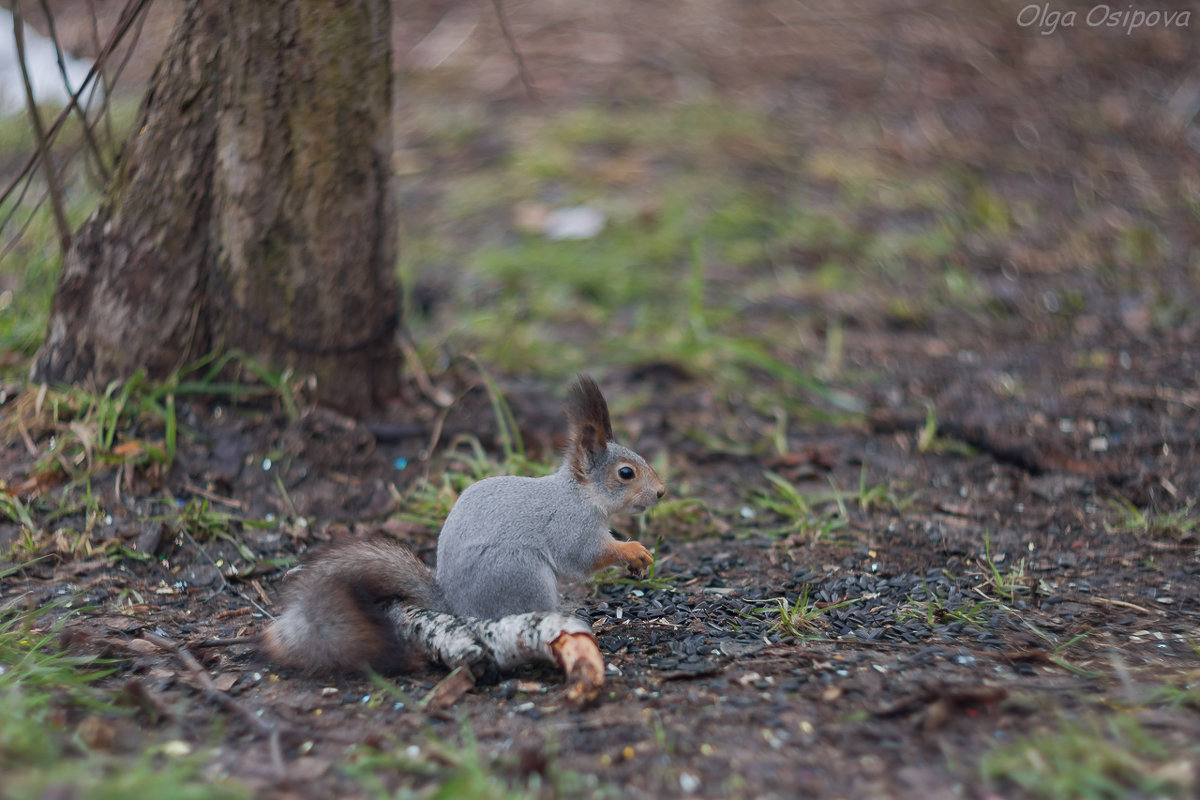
(223, 699)
(89, 136)
(512, 47)
(129, 15)
(39, 130)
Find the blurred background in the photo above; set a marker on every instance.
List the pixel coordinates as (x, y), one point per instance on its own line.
(945, 252)
(808, 196)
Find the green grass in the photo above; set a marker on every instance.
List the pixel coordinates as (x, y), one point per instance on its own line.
(696, 241)
(722, 238)
(686, 516)
(930, 440)
(938, 610)
(1059, 648)
(126, 436)
(443, 769)
(1097, 759)
(819, 515)
(1128, 518)
(800, 618)
(1008, 582)
(47, 697)
(1175, 697)
(631, 296)
(28, 276)
(201, 520)
(31, 264)
(816, 515)
(132, 422)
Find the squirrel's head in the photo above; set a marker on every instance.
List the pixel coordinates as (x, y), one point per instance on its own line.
(620, 480)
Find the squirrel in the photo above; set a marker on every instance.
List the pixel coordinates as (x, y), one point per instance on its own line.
(503, 549)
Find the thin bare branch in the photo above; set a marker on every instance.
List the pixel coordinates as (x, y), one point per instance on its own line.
(39, 130)
(89, 138)
(102, 81)
(110, 82)
(131, 13)
(512, 46)
(11, 244)
(223, 699)
(16, 205)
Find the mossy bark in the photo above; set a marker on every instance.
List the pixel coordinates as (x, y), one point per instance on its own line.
(252, 208)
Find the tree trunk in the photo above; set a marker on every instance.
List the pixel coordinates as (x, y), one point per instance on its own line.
(252, 208)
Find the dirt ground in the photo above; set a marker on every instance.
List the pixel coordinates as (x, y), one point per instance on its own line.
(1002, 588)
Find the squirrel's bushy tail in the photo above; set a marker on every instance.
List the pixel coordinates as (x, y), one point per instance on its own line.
(334, 610)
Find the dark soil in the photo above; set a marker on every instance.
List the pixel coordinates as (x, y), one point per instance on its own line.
(1047, 411)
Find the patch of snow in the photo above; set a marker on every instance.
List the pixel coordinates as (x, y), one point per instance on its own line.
(576, 222)
(44, 74)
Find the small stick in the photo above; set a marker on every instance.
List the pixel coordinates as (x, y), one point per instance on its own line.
(1111, 602)
(223, 699)
(225, 642)
(440, 397)
(216, 498)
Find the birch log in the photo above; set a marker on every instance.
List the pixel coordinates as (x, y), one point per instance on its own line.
(499, 645)
(368, 604)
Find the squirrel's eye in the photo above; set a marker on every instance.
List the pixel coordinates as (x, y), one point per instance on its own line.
(625, 473)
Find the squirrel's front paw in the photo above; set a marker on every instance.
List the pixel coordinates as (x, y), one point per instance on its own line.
(635, 555)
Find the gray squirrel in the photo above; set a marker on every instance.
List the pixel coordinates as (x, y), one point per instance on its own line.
(503, 549)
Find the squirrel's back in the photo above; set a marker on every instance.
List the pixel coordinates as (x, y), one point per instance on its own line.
(510, 507)
(507, 541)
(334, 608)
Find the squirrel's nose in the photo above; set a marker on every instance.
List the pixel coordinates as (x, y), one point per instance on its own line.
(662, 490)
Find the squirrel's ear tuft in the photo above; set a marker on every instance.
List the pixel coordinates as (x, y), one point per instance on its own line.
(589, 428)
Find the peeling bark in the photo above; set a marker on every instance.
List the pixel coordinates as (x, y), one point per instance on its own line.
(252, 209)
(499, 645)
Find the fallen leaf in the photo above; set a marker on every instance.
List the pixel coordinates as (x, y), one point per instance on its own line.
(133, 447)
(307, 768)
(226, 681)
(143, 647)
(446, 693)
(96, 733)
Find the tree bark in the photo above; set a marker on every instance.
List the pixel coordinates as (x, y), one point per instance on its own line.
(499, 645)
(252, 209)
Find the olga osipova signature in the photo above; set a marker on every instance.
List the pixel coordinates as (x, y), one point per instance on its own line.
(1047, 20)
